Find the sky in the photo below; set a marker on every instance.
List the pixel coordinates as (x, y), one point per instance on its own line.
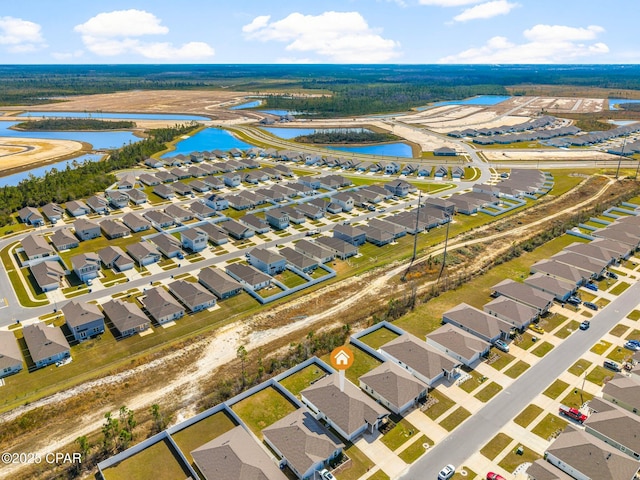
(320, 31)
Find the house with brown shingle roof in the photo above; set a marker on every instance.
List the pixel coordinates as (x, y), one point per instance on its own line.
(481, 324)
(623, 391)
(35, 246)
(85, 320)
(459, 344)
(126, 317)
(393, 387)
(162, 306)
(47, 274)
(10, 355)
(63, 239)
(193, 295)
(46, 344)
(615, 426)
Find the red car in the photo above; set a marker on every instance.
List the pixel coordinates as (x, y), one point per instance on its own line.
(494, 476)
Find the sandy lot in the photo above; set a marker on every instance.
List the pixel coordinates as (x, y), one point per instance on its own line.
(19, 153)
(568, 155)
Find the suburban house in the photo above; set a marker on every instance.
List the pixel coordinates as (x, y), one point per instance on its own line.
(167, 244)
(614, 426)
(215, 233)
(562, 271)
(298, 260)
(98, 204)
(201, 209)
(248, 276)
(595, 266)
(231, 179)
(77, 208)
(86, 230)
(236, 229)
(392, 168)
(560, 289)
(127, 181)
(30, 216)
(235, 455)
(310, 211)
(162, 306)
(277, 218)
(517, 314)
(593, 251)
(399, 188)
(115, 257)
(136, 196)
(377, 236)
(303, 444)
(459, 344)
(48, 275)
(217, 202)
(153, 162)
(523, 293)
(164, 191)
(143, 253)
(221, 284)
(166, 177)
(179, 214)
(584, 456)
(113, 229)
(393, 387)
(396, 230)
(149, 179)
(126, 317)
(255, 223)
(193, 295)
(344, 200)
(117, 199)
(267, 261)
(444, 152)
(342, 249)
(423, 361)
(85, 320)
(349, 234)
(194, 239)
(63, 239)
(161, 219)
(317, 252)
(481, 324)
(86, 266)
(624, 392)
(179, 173)
(10, 354)
(135, 222)
(46, 344)
(348, 410)
(53, 212)
(182, 188)
(441, 204)
(441, 171)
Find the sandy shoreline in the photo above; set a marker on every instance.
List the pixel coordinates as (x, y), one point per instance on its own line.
(19, 154)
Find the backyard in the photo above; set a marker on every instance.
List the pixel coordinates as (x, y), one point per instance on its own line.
(263, 409)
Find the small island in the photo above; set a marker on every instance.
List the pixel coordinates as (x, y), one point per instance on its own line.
(75, 124)
(346, 136)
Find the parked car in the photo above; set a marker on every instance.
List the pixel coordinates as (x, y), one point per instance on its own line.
(371, 208)
(573, 300)
(494, 476)
(591, 286)
(536, 328)
(326, 474)
(447, 472)
(585, 325)
(501, 345)
(612, 275)
(611, 365)
(632, 346)
(590, 305)
(382, 209)
(635, 342)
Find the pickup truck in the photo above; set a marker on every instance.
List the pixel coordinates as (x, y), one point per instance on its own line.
(574, 413)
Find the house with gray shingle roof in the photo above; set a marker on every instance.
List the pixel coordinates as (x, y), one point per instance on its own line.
(248, 275)
(221, 284)
(298, 260)
(393, 387)
(48, 275)
(194, 239)
(161, 219)
(85, 320)
(10, 355)
(479, 323)
(614, 426)
(86, 229)
(76, 208)
(459, 344)
(126, 317)
(86, 266)
(46, 344)
(30, 216)
(267, 261)
(162, 306)
(35, 246)
(559, 288)
(135, 222)
(113, 229)
(193, 295)
(302, 443)
(623, 391)
(115, 257)
(516, 313)
(53, 212)
(63, 239)
(144, 253)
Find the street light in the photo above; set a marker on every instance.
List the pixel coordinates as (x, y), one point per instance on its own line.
(584, 378)
(621, 155)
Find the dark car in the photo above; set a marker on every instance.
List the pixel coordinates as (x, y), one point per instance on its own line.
(591, 305)
(591, 286)
(585, 325)
(575, 301)
(612, 275)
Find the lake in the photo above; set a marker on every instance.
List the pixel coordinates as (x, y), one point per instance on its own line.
(483, 100)
(289, 133)
(208, 139)
(99, 140)
(13, 180)
(387, 149)
(622, 122)
(615, 101)
(255, 103)
(123, 116)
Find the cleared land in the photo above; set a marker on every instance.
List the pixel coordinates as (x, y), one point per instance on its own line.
(19, 153)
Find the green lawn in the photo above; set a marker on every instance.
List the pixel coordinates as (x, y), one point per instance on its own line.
(398, 435)
(619, 330)
(378, 338)
(444, 404)
(456, 418)
(488, 392)
(199, 433)
(634, 315)
(362, 363)
(552, 322)
(599, 374)
(542, 349)
(555, 389)
(527, 341)
(576, 398)
(517, 369)
(468, 473)
(379, 475)
(473, 382)
(144, 465)
(263, 409)
(415, 450)
(496, 445)
(568, 329)
(634, 335)
(290, 279)
(619, 288)
(528, 415)
(601, 347)
(550, 425)
(360, 463)
(503, 359)
(620, 354)
(300, 380)
(511, 461)
(579, 367)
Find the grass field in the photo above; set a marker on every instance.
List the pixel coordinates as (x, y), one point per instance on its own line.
(488, 392)
(202, 432)
(496, 445)
(472, 383)
(262, 409)
(550, 425)
(555, 389)
(568, 329)
(517, 369)
(143, 465)
(458, 416)
(300, 380)
(542, 349)
(576, 398)
(634, 315)
(378, 338)
(359, 466)
(511, 461)
(415, 450)
(600, 347)
(399, 435)
(444, 404)
(528, 415)
(579, 367)
(618, 330)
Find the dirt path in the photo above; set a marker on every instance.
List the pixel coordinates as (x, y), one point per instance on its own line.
(222, 348)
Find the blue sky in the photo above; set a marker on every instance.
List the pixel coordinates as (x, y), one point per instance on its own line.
(327, 31)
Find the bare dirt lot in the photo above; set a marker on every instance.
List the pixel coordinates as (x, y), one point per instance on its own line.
(18, 153)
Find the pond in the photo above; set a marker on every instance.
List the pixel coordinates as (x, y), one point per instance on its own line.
(622, 122)
(387, 149)
(289, 133)
(255, 103)
(208, 139)
(13, 180)
(122, 116)
(483, 100)
(613, 102)
(99, 140)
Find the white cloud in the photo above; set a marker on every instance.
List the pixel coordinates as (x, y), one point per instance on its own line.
(547, 44)
(110, 34)
(342, 37)
(20, 36)
(486, 10)
(122, 23)
(448, 3)
(67, 55)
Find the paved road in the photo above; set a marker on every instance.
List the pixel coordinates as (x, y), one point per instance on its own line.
(482, 426)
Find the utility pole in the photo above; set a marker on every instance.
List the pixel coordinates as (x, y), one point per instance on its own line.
(621, 156)
(415, 237)
(446, 242)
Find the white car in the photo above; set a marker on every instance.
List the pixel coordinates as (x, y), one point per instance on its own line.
(447, 472)
(326, 474)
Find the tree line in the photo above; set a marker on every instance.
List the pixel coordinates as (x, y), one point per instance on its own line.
(345, 136)
(56, 124)
(81, 180)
